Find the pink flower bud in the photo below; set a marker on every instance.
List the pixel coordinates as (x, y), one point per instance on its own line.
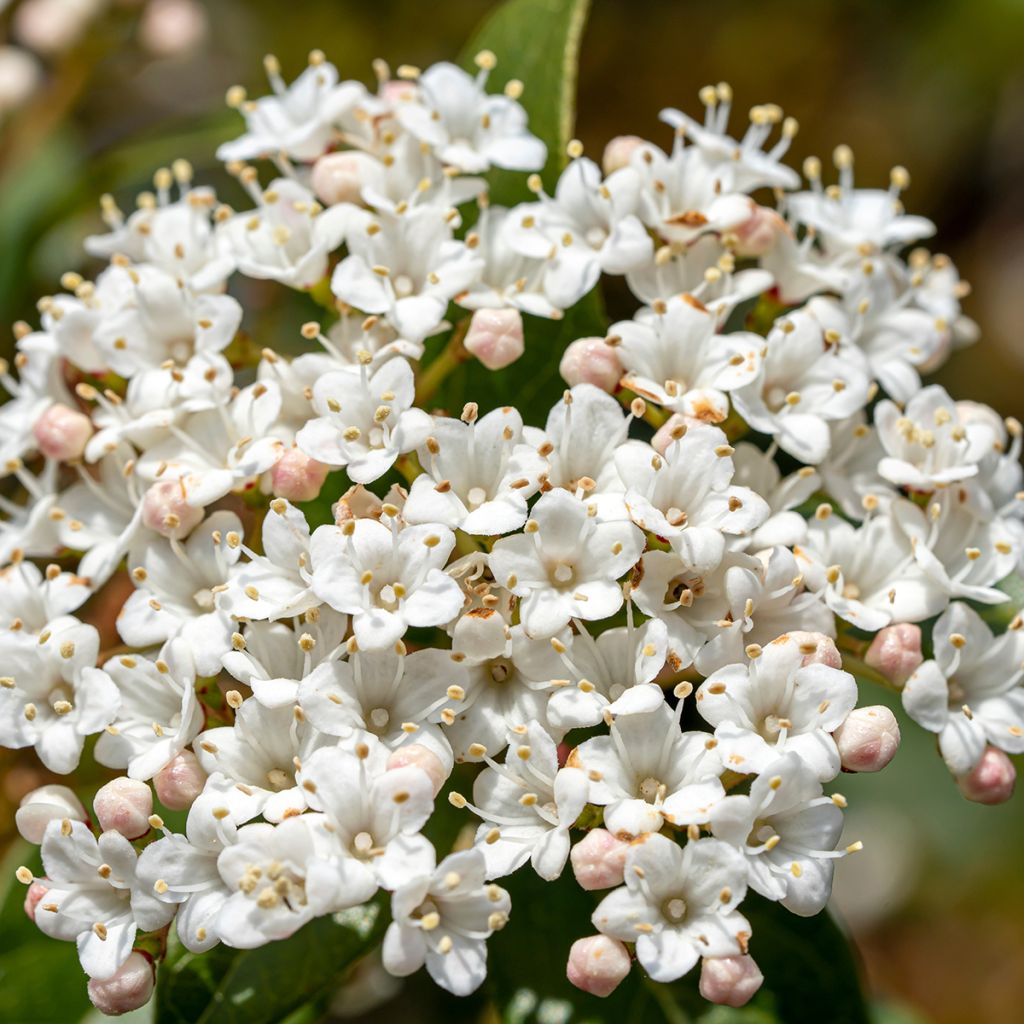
(757, 234)
(35, 892)
(341, 177)
(417, 756)
(169, 28)
(665, 434)
(817, 648)
(61, 433)
(591, 361)
(896, 651)
(398, 91)
(179, 782)
(729, 980)
(52, 26)
(124, 805)
(297, 477)
(618, 152)
(991, 780)
(19, 77)
(43, 805)
(495, 337)
(868, 739)
(130, 988)
(597, 964)
(165, 510)
(599, 860)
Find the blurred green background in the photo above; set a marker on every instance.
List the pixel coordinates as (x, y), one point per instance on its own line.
(936, 900)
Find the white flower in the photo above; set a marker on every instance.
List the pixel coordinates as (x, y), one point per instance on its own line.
(926, 445)
(298, 119)
(602, 668)
(587, 228)
(479, 475)
(51, 696)
(159, 714)
(565, 564)
(259, 753)
(181, 870)
(276, 584)
(673, 356)
(678, 904)
(787, 831)
(758, 471)
(273, 659)
(849, 475)
(160, 319)
(277, 882)
(775, 704)
(175, 593)
(220, 450)
(467, 128)
(29, 600)
(646, 772)
(867, 575)
(375, 816)
(527, 805)
(387, 579)
(970, 694)
(807, 378)
(396, 698)
(93, 896)
(442, 918)
(288, 237)
(686, 496)
(405, 265)
(364, 422)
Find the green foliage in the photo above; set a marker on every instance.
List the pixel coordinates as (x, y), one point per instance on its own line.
(266, 985)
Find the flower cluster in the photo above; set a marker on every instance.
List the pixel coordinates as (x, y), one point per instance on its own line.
(634, 628)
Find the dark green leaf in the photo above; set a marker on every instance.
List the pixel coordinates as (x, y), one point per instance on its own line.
(265, 985)
(537, 42)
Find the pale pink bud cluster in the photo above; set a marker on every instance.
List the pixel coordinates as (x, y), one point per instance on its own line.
(868, 739)
(599, 860)
(597, 964)
(730, 980)
(124, 805)
(495, 337)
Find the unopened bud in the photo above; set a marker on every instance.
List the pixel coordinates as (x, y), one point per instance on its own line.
(341, 177)
(868, 739)
(297, 477)
(619, 151)
(180, 781)
(896, 651)
(170, 28)
(165, 510)
(757, 234)
(124, 805)
(671, 430)
(591, 361)
(35, 892)
(991, 780)
(61, 432)
(43, 805)
(729, 980)
(597, 964)
(495, 337)
(128, 989)
(417, 756)
(817, 648)
(599, 860)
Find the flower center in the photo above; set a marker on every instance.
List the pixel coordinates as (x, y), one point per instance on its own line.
(651, 789)
(562, 574)
(279, 779)
(404, 286)
(379, 718)
(204, 599)
(674, 909)
(476, 497)
(500, 669)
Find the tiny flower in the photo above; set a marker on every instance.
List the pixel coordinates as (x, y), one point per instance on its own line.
(167, 511)
(868, 739)
(599, 860)
(895, 651)
(129, 989)
(179, 782)
(62, 433)
(567, 565)
(297, 477)
(341, 176)
(730, 980)
(591, 361)
(597, 965)
(495, 337)
(124, 805)
(678, 904)
(991, 780)
(443, 918)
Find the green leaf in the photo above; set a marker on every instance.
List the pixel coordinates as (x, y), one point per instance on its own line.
(810, 970)
(265, 985)
(537, 42)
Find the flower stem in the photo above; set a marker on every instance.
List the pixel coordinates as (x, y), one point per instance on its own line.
(450, 358)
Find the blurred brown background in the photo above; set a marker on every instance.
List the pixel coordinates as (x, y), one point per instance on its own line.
(936, 899)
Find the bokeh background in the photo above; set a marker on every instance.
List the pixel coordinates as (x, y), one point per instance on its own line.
(102, 93)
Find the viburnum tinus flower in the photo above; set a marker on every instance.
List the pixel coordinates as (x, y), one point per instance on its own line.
(323, 584)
